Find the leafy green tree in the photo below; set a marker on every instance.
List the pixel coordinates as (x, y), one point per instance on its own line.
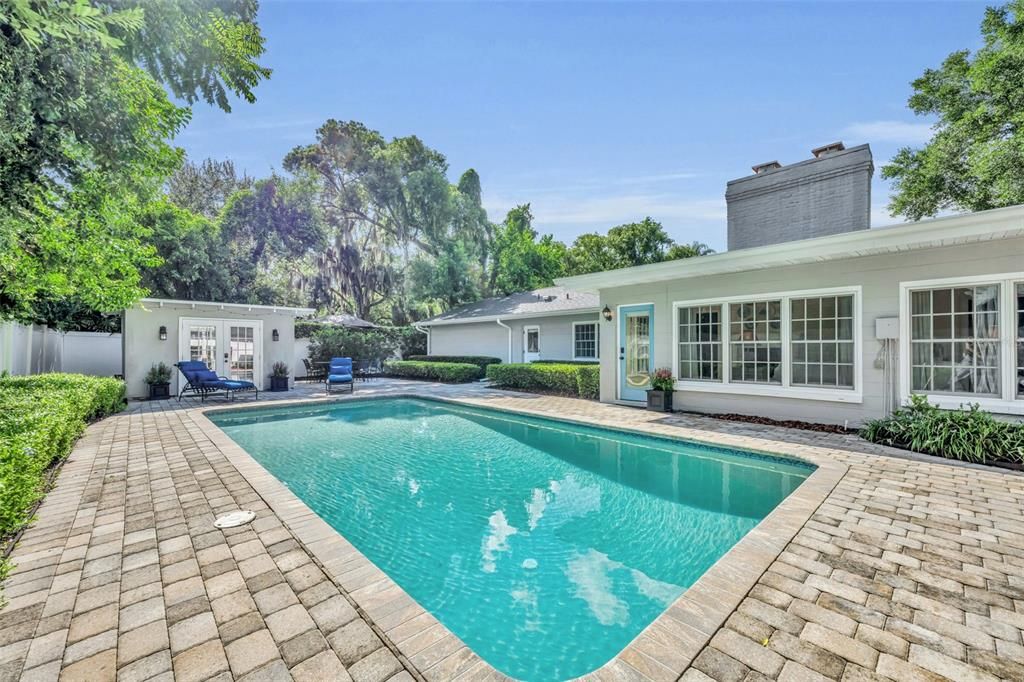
(690, 250)
(188, 246)
(639, 243)
(271, 226)
(381, 203)
(521, 261)
(204, 188)
(975, 159)
(591, 252)
(84, 130)
(444, 281)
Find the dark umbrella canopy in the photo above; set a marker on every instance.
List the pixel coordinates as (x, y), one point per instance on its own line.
(346, 320)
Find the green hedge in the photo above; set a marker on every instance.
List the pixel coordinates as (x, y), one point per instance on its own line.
(40, 418)
(481, 361)
(562, 378)
(566, 362)
(588, 379)
(971, 435)
(446, 372)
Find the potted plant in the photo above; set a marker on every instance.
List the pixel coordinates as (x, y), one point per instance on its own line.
(279, 377)
(659, 396)
(159, 380)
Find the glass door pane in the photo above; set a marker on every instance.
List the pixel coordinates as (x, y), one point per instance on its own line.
(241, 353)
(638, 349)
(202, 344)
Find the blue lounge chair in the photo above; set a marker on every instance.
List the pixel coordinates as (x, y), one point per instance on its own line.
(340, 372)
(202, 381)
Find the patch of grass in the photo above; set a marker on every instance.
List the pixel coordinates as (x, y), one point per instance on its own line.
(970, 435)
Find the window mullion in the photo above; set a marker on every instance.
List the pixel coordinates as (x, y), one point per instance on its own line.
(1008, 340)
(724, 339)
(784, 335)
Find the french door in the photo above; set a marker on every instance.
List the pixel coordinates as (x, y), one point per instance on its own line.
(231, 348)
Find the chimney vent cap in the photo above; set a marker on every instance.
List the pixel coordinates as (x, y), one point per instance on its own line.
(767, 166)
(827, 149)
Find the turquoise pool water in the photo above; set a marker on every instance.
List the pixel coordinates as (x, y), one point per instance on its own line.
(545, 546)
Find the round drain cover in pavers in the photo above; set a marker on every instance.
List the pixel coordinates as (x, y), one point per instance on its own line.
(236, 518)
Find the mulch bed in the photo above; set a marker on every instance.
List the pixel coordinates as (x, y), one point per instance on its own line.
(787, 423)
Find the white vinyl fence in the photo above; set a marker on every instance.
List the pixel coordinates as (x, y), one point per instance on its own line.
(37, 349)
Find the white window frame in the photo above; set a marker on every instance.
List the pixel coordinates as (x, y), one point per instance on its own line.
(785, 390)
(1007, 403)
(597, 340)
(723, 351)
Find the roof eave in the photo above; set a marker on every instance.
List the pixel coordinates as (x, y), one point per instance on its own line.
(216, 305)
(937, 232)
(510, 316)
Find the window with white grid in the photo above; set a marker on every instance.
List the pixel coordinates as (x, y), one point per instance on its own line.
(821, 341)
(584, 340)
(755, 342)
(955, 340)
(700, 343)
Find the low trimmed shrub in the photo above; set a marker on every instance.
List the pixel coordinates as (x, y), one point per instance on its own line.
(40, 418)
(567, 362)
(548, 377)
(588, 379)
(446, 372)
(970, 435)
(481, 361)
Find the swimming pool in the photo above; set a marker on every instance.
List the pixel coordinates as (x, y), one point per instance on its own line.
(545, 546)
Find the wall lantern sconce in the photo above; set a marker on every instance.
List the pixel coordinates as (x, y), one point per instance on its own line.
(163, 333)
(607, 313)
(275, 336)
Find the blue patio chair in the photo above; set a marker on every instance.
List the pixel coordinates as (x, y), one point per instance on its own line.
(340, 372)
(203, 381)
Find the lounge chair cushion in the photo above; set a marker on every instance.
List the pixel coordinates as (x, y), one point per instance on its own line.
(339, 378)
(205, 375)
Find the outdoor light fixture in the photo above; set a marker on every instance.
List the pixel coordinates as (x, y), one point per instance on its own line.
(607, 313)
(163, 333)
(274, 335)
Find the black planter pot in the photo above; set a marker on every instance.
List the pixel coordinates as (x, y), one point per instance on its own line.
(659, 401)
(278, 384)
(159, 391)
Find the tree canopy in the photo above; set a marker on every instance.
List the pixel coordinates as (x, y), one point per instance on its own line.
(85, 130)
(973, 161)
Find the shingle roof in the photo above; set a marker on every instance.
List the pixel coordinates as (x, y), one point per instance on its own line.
(540, 302)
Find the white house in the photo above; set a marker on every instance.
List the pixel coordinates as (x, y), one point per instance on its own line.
(547, 324)
(838, 328)
(236, 340)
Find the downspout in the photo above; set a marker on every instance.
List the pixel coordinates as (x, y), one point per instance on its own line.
(502, 324)
(424, 331)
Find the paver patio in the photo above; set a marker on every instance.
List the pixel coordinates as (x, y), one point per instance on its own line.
(912, 569)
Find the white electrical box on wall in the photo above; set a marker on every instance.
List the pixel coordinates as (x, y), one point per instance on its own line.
(887, 327)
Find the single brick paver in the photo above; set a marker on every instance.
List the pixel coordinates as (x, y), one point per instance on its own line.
(911, 569)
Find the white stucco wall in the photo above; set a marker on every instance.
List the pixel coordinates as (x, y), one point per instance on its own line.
(488, 338)
(879, 277)
(143, 348)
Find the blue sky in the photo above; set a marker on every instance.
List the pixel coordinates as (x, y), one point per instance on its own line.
(596, 114)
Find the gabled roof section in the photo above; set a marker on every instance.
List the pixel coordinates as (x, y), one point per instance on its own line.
(537, 303)
(1000, 223)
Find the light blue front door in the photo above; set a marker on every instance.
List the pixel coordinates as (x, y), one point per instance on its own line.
(636, 359)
